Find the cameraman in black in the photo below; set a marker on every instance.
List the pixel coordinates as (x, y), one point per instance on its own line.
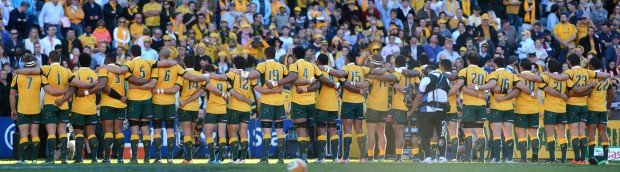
(432, 101)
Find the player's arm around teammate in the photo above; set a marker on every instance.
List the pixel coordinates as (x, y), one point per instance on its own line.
(28, 119)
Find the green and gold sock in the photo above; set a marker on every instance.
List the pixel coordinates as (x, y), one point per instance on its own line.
(266, 145)
(482, 146)
(36, 143)
(119, 144)
(171, 144)
(523, 148)
(605, 149)
(510, 148)
(51, 147)
(79, 147)
(187, 143)
(346, 146)
(497, 148)
(63, 146)
(134, 140)
(23, 146)
(362, 144)
(454, 143)
(146, 142)
(322, 141)
(210, 147)
(468, 147)
(563, 148)
(583, 145)
(551, 147)
(575, 145)
(244, 148)
(303, 147)
(234, 147)
(334, 146)
(157, 142)
(108, 138)
(94, 146)
(281, 146)
(221, 145)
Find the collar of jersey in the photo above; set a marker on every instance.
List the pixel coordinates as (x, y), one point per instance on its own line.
(55, 63)
(473, 65)
(527, 71)
(84, 68)
(299, 60)
(189, 69)
(597, 70)
(138, 57)
(271, 60)
(576, 67)
(112, 64)
(500, 69)
(350, 64)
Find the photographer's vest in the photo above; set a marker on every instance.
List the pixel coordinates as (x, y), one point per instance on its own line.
(436, 85)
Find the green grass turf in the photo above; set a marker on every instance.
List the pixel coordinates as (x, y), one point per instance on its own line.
(200, 165)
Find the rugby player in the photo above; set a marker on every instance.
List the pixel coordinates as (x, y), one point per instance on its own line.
(28, 86)
(240, 109)
(599, 103)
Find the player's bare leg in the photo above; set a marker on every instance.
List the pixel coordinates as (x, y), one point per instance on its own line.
(372, 130)
(208, 132)
(92, 142)
(399, 141)
(509, 143)
(51, 142)
(108, 138)
(535, 143)
(382, 140)
(119, 140)
(550, 134)
(561, 133)
(332, 130)
(61, 129)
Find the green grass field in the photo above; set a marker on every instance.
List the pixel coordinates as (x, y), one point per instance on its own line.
(200, 165)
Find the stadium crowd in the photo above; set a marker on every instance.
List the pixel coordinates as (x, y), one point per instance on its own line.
(102, 63)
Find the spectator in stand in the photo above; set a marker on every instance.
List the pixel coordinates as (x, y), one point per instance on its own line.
(553, 19)
(599, 14)
(590, 42)
(33, 37)
(70, 42)
(111, 12)
(9, 46)
(101, 33)
(448, 53)
(530, 11)
(527, 45)
(50, 16)
(426, 13)
(612, 52)
(76, 15)
(19, 20)
(152, 11)
(433, 48)
(50, 41)
(92, 13)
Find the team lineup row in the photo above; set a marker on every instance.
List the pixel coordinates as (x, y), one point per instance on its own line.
(576, 96)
